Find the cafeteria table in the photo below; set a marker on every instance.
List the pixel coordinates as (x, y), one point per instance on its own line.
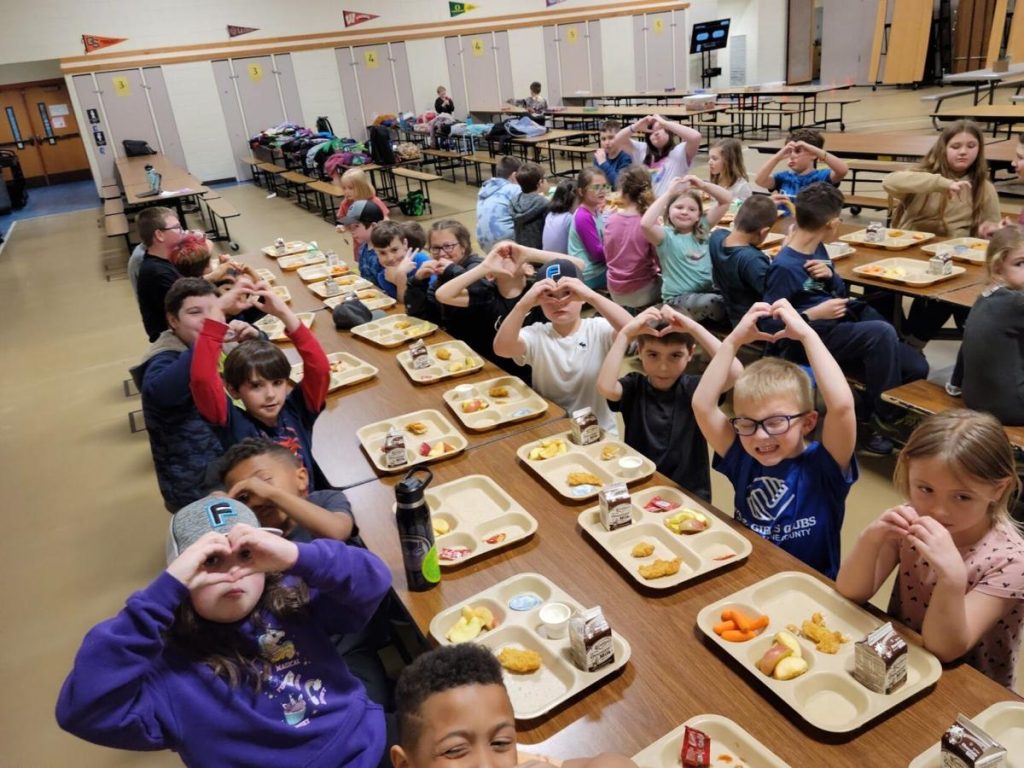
(995, 115)
(897, 146)
(674, 672)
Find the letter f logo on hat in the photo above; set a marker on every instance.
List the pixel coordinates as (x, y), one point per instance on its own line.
(220, 512)
(553, 272)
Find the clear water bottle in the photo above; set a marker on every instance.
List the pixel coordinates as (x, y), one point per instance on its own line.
(415, 531)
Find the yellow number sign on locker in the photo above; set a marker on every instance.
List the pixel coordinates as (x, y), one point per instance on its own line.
(255, 72)
(659, 25)
(121, 87)
(478, 47)
(372, 62)
(571, 35)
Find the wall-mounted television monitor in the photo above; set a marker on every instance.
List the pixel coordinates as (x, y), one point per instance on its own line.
(709, 35)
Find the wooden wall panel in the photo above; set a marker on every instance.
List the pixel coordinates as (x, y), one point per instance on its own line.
(800, 51)
(995, 36)
(972, 28)
(847, 28)
(908, 42)
(1015, 43)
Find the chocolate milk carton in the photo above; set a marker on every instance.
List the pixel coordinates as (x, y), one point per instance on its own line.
(590, 640)
(420, 357)
(880, 660)
(585, 427)
(616, 506)
(965, 745)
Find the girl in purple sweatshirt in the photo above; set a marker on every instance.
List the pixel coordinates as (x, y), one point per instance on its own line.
(586, 233)
(226, 657)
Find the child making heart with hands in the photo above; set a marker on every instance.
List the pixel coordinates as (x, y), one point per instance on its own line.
(226, 657)
(960, 559)
(677, 227)
(657, 405)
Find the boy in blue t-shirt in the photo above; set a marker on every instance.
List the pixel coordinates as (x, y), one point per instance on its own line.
(360, 221)
(789, 491)
(802, 274)
(803, 148)
(398, 261)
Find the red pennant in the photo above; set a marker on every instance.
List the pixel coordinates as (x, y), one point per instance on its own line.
(355, 17)
(95, 42)
(234, 31)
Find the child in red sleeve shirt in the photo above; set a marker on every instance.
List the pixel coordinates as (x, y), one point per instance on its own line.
(256, 372)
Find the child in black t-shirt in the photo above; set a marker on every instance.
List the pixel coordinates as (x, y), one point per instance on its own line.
(656, 405)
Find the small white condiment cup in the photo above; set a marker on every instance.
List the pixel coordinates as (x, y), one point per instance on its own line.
(463, 390)
(630, 466)
(555, 617)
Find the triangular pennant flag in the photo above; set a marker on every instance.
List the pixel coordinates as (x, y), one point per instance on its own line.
(356, 17)
(554, 2)
(234, 31)
(95, 42)
(457, 9)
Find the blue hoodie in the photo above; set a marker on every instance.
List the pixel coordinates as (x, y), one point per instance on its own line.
(493, 214)
(129, 690)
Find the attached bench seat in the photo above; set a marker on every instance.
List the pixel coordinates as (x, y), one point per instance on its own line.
(326, 193)
(110, 192)
(421, 177)
(219, 208)
(927, 398)
(116, 225)
(113, 207)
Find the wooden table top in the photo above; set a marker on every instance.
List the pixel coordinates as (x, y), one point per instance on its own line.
(983, 112)
(674, 673)
(884, 144)
(962, 289)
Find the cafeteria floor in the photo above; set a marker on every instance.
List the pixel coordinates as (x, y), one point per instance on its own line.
(84, 523)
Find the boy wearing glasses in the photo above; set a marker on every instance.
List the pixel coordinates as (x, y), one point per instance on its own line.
(788, 490)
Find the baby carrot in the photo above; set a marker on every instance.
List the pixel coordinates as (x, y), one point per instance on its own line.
(725, 626)
(747, 624)
(738, 635)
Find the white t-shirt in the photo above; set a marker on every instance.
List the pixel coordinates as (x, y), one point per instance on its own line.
(672, 165)
(565, 368)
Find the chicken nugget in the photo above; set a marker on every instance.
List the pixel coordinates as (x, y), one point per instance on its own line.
(642, 549)
(498, 391)
(416, 427)
(583, 478)
(825, 640)
(660, 568)
(519, 661)
(401, 325)
(443, 353)
(610, 451)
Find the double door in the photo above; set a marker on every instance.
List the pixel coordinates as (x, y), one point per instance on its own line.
(38, 124)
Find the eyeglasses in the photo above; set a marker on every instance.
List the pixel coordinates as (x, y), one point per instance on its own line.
(177, 227)
(446, 247)
(600, 187)
(773, 425)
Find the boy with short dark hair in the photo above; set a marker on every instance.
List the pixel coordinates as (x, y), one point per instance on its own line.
(360, 220)
(609, 158)
(270, 480)
(565, 353)
(453, 706)
(398, 260)
(531, 207)
(802, 273)
(790, 492)
(803, 148)
(493, 203)
(257, 373)
(181, 441)
(738, 266)
(656, 405)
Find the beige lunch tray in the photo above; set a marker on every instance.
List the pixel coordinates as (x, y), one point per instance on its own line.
(290, 263)
(291, 247)
(266, 275)
(351, 285)
(441, 369)
(827, 695)
(521, 403)
(371, 437)
(1003, 721)
(558, 679)
(476, 509)
(394, 331)
(282, 293)
(906, 238)
(584, 458)
(717, 546)
(731, 746)
(316, 272)
(274, 328)
(346, 370)
(905, 272)
(379, 300)
(969, 249)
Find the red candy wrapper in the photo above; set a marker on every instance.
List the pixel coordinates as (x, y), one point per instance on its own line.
(696, 750)
(452, 554)
(658, 504)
